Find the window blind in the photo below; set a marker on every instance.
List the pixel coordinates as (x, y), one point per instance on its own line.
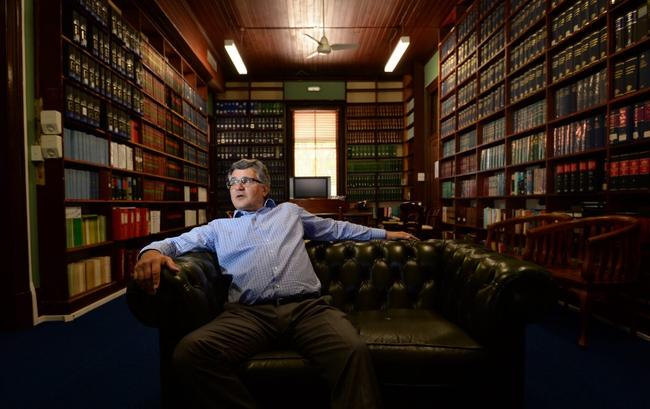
(315, 144)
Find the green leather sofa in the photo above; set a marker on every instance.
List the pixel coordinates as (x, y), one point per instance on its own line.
(444, 321)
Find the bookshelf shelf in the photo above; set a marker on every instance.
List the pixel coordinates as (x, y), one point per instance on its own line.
(112, 150)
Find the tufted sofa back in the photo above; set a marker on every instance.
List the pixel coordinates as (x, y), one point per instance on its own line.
(458, 279)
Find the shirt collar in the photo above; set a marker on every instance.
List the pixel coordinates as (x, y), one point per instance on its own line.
(268, 203)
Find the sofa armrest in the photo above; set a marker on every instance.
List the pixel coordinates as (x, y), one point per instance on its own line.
(186, 300)
(490, 294)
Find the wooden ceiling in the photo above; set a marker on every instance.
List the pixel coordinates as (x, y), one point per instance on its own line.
(270, 34)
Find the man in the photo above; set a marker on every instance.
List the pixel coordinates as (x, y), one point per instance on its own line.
(274, 294)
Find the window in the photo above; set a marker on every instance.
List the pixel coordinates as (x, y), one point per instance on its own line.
(315, 144)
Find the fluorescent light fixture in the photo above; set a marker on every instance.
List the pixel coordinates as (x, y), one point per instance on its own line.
(397, 54)
(313, 88)
(231, 49)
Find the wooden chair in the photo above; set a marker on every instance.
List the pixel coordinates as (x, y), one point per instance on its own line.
(430, 224)
(590, 257)
(411, 215)
(509, 236)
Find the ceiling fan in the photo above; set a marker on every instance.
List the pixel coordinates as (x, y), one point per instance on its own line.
(324, 46)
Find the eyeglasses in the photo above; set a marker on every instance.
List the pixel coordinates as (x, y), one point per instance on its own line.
(244, 180)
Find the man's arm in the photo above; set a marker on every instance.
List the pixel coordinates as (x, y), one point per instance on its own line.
(159, 254)
(147, 270)
(318, 228)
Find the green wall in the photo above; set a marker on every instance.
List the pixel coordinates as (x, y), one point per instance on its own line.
(431, 70)
(329, 90)
(30, 130)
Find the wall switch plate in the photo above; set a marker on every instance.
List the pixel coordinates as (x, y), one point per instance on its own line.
(37, 154)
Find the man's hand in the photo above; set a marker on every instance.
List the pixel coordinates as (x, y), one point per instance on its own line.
(147, 270)
(399, 235)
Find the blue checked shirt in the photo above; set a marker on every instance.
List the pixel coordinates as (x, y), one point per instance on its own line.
(264, 250)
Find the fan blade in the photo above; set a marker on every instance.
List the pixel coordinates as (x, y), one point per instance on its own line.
(343, 46)
(312, 55)
(318, 42)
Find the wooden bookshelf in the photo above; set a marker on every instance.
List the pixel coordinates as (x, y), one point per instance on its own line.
(249, 122)
(135, 147)
(543, 107)
(377, 151)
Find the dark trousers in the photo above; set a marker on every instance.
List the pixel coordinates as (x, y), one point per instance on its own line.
(206, 360)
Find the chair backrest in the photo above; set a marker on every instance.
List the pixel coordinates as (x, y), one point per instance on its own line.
(606, 249)
(411, 214)
(509, 236)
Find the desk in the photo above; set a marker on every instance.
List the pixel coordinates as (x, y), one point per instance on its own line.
(336, 209)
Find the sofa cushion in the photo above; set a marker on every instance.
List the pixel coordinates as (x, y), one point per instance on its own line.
(418, 346)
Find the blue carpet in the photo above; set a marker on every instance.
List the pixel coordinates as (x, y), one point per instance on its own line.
(106, 359)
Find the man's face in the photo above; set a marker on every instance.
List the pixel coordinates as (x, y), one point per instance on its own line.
(248, 197)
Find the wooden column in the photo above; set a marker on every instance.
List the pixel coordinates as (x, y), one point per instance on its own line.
(15, 296)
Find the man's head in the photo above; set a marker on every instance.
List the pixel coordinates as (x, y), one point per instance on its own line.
(249, 184)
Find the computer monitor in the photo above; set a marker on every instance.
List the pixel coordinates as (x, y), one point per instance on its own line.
(305, 187)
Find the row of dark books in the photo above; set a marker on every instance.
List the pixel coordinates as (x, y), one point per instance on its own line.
(528, 82)
(531, 181)
(448, 148)
(493, 20)
(632, 74)
(530, 47)
(632, 26)
(494, 130)
(576, 16)
(629, 123)
(467, 47)
(448, 84)
(467, 140)
(529, 148)
(445, 68)
(467, 93)
(448, 106)
(249, 137)
(493, 46)
(383, 110)
(448, 127)
(467, 68)
(467, 188)
(96, 41)
(91, 74)
(493, 157)
(196, 117)
(154, 87)
(580, 176)
(579, 136)
(82, 107)
(529, 116)
(382, 179)
(249, 107)
(466, 164)
(576, 56)
(465, 26)
(494, 185)
(448, 189)
(387, 165)
(118, 122)
(492, 74)
(629, 171)
(582, 94)
(382, 194)
(447, 168)
(376, 124)
(371, 151)
(524, 17)
(467, 116)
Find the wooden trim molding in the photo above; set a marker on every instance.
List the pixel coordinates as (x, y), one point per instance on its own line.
(15, 295)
